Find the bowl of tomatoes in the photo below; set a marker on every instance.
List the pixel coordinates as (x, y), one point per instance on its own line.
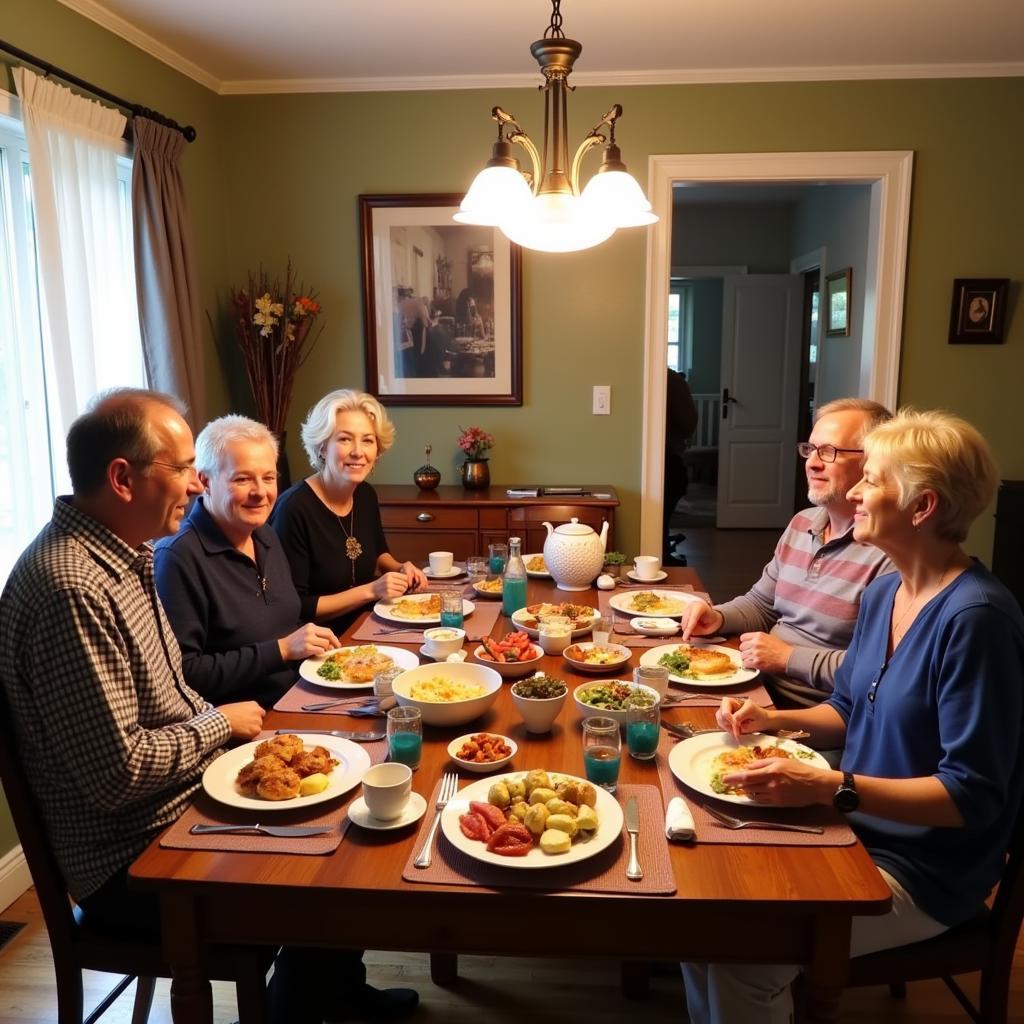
(514, 656)
(482, 751)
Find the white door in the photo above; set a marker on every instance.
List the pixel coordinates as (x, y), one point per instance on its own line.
(761, 339)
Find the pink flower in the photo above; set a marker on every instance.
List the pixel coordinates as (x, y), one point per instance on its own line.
(474, 441)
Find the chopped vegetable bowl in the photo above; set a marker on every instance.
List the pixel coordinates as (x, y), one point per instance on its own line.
(612, 699)
(512, 657)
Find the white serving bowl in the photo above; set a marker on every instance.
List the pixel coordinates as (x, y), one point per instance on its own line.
(440, 641)
(539, 713)
(481, 766)
(510, 669)
(450, 712)
(624, 654)
(654, 625)
(589, 711)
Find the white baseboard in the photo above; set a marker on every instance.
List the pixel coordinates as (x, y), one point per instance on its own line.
(14, 877)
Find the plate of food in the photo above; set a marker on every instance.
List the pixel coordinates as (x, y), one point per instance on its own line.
(665, 603)
(489, 588)
(494, 815)
(536, 567)
(590, 657)
(286, 772)
(704, 666)
(581, 617)
(353, 668)
(416, 609)
(701, 761)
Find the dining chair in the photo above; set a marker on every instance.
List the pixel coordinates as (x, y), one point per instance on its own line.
(78, 946)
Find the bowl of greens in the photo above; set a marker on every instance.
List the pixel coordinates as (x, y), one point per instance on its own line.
(612, 699)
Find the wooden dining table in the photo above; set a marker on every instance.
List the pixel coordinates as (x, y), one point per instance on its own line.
(735, 903)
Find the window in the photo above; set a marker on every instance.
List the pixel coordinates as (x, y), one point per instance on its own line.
(32, 467)
(680, 326)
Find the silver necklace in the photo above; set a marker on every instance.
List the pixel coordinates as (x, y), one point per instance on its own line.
(896, 634)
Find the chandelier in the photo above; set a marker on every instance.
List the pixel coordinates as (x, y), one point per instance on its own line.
(545, 209)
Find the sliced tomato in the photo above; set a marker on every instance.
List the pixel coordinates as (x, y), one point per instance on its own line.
(513, 839)
(494, 816)
(474, 826)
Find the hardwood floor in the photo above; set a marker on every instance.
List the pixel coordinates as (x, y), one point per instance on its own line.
(728, 561)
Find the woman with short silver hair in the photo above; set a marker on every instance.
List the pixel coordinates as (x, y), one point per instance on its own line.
(224, 580)
(330, 524)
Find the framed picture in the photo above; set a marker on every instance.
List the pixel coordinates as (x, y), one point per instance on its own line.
(979, 311)
(441, 305)
(837, 303)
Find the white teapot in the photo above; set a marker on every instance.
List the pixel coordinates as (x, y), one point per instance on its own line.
(574, 554)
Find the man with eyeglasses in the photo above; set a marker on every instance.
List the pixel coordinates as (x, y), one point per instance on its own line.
(796, 622)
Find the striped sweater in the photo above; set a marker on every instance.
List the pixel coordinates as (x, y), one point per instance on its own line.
(808, 596)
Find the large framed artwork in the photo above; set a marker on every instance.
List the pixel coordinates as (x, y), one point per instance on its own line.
(441, 305)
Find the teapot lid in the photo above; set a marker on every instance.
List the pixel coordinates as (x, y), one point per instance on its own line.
(573, 528)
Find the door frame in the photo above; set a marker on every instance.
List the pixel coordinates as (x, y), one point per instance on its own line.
(889, 175)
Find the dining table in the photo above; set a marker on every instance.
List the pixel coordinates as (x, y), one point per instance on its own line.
(721, 901)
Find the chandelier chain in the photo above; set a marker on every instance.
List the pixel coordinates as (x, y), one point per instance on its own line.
(554, 30)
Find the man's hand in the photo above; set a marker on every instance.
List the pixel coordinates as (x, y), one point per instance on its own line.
(308, 641)
(245, 719)
(700, 619)
(764, 651)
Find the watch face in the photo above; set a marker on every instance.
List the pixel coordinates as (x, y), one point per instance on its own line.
(845, 799)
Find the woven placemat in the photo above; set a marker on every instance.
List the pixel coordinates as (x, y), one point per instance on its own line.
(678, 696)
(306, 693)
(837, 832)
(604, 872)
(477, 626)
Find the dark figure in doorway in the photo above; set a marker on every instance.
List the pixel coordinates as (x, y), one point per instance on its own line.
(680, 424)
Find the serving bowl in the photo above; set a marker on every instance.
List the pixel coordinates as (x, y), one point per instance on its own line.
(481, 766)
(489, 588)
(620, 715)
(440, 641)
(617, 657)
(538, 713)
(510, 669)
(456, 712)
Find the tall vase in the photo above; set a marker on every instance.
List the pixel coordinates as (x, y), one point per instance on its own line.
(284, 473)
(476, 474)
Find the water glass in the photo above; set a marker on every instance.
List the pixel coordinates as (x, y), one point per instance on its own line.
(405, 736)
(602, 630)
(642, 723)
(602, 752)
(476, 568)
(383, 681)
(498, 556)
(451, 608)
(654, 676)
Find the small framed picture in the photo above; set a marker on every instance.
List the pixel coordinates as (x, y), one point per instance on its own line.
(837, 303)
(978, 314)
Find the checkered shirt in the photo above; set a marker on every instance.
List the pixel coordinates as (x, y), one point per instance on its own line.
(113, 741)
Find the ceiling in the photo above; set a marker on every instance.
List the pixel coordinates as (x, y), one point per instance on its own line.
(261, 46)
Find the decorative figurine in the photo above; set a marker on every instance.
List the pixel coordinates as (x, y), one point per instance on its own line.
(427, 477)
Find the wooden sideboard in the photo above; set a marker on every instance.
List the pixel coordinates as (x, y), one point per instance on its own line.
(464, 522)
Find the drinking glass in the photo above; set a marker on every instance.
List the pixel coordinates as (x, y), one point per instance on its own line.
(642, 723)
(602, 630)
(451, 608)
(498, 555)
(654, 676)
(383, 681)
(602, 751)
(405, 736)
(476, 568)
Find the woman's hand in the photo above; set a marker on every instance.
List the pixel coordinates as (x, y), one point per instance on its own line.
(785, 782)
(308, 641)
(245, 719)
(416, 577)
(737, 717)
(389, 584)
(700, 619)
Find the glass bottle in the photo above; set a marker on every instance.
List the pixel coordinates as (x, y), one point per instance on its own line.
(513, 585)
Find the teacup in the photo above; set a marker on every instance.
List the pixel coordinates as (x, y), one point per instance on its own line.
(440, 562)
(386, 789)
(441, 641)
(646, 567)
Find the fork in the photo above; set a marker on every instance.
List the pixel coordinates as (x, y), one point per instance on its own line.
(356, 702)
(449, 787)
(729, 821)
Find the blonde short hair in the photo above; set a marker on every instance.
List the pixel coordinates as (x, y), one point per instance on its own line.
(213, 440)
(322, 419)
(875, 412)
(935, 450)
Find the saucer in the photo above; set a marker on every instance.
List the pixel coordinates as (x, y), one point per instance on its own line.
(432, 657)
(359, 815)
(454, 571)
(654, 579)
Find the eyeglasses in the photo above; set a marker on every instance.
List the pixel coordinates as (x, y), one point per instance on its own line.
(179, 469)
(826, 452)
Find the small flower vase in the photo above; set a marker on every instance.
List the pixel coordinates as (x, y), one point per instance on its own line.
(476, 474)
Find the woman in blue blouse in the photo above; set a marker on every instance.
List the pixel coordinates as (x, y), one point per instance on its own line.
(928, 706)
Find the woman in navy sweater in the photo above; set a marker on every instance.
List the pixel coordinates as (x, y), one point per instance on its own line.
(928, 706)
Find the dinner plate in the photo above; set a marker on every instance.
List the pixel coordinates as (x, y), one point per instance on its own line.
(656, 578)
(359, 814)
(383, 610)
(741, 675)
(455, 570)
(539, 574)
(219, 777)
(691, 760)
(308, 669)
(533, 633)
(609, 828)
(623, 602)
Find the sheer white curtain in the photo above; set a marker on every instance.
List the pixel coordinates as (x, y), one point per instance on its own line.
(90, 319)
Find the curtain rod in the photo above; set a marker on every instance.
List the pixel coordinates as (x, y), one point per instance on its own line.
(138, 111)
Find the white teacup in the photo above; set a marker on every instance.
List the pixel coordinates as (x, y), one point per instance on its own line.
(646, 567)
(386, 789)
(441, 641)
(440, 562)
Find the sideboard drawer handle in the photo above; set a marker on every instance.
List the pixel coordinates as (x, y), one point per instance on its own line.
(425, 517)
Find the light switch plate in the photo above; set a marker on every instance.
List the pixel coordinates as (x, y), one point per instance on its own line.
(602, 399)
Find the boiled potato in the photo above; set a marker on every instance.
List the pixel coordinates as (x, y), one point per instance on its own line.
(588, 795)
(313, 784)
(541, 795)
(516, 788)
(563, 822)
(536, 818)
(498, 795)
(555, 841)
(537, 779)
(519, 810)
(569, 792)
(586, 819)
(559, 806)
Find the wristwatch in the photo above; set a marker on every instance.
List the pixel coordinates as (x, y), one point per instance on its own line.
(845, 798)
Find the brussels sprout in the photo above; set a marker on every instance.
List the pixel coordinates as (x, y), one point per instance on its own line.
(569, 792)
(588, 795)
(536, 818)
(516, 788)
(536, 779)
(498, 795)
(519, 810)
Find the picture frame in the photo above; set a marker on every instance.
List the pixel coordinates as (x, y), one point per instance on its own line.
(442, 305)
(838, 290)
(978, 313)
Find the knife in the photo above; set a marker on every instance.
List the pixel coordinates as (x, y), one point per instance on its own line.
(345, 734)
(633, 870)
(283, 831)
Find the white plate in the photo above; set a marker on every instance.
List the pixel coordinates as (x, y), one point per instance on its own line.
(359, 814)
(401, 657)
(690, 760)
(654, 625)
(219, 777)
(661, 575)
(455, 570)
(494, 595)
(482, 767)
(741, 675)
(531, 631)
(383, 610)
(623, 602)
(624, 654)
(609, 828)
(535, 573)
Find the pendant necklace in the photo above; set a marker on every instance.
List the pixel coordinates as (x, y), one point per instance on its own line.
(353, 549)
(896, 635)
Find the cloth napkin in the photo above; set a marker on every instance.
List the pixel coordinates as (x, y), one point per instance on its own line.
(678, 820)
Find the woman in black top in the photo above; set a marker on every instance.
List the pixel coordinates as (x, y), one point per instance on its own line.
(329, 523)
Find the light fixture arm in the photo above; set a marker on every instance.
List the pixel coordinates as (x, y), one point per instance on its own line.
(507, 121)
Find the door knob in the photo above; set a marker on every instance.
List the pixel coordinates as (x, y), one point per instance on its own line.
(726, 399)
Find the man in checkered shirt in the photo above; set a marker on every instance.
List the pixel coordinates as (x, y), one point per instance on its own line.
(113, 741)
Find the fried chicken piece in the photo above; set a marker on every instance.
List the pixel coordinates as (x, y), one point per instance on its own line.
(309, 762)
(250, 776)
(282, 785)
(285, 747)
